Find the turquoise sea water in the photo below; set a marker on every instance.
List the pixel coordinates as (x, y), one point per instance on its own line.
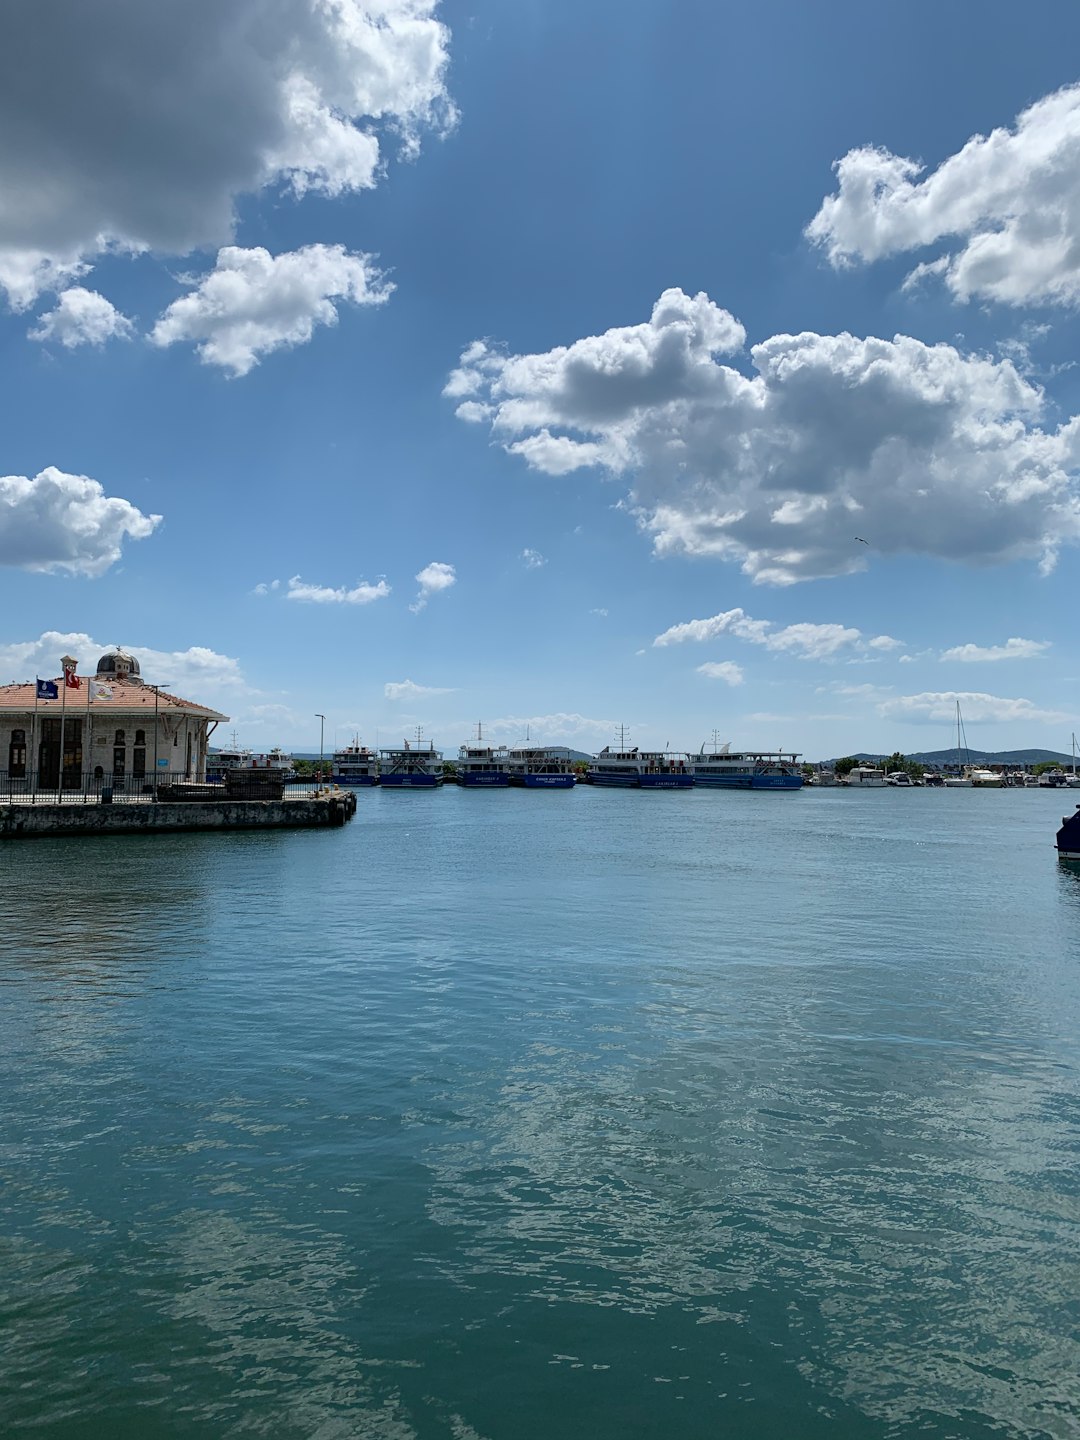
(511, 1115)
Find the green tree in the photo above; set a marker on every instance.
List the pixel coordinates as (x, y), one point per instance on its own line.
(1043, 766)
(897, 761)
(845, 766)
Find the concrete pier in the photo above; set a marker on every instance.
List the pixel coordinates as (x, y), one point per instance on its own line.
(32, 821)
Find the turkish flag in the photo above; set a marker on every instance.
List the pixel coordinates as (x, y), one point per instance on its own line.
(71, 680)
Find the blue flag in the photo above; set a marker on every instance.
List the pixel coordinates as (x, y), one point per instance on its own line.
(46, 690)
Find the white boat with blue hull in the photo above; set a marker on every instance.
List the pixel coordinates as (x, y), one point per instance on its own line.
(538, 767)
(483, 767)
(631, 768)
(355, 765)
(721, 768)
(411, 767)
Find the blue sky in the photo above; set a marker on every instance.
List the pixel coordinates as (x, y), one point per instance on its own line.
(243, 264)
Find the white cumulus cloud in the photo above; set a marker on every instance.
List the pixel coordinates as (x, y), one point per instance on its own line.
(1010, 199)
(1014, 649)
(253, 302)
(55, 521)
(919, 448)
(409, 690)
(83, 317)
(805, 640)
(191, 673)
(170, 113)
(532, 559)
(725, 670)
(556, 728)
(933, 707)
(433, 578)
(362, 593)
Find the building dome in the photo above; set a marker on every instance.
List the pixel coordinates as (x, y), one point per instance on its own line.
(118, 665)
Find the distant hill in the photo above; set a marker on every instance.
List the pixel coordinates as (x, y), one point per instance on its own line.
(972, 757)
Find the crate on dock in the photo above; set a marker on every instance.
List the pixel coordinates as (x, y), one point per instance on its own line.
(189, 791)
(254, 784)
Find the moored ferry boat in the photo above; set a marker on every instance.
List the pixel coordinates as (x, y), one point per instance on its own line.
(723, 768)
(630, 767)
(539, 767)
(482, 767)
(219, 761)
(411, 768)
(355, 765)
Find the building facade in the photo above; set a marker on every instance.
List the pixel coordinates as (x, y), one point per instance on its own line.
(108, 729)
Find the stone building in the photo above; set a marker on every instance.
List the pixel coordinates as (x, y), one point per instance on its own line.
(109, 729)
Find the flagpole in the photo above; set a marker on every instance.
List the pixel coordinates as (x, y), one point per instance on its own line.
(33, 744)
(89, 755)
(63, 737)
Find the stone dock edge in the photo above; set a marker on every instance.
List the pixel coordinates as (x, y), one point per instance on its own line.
(21, 821)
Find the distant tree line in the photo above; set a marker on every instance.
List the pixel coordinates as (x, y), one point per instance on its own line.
(893, 763)
(305, 768)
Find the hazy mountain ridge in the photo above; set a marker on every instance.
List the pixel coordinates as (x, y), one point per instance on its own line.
(971, 757)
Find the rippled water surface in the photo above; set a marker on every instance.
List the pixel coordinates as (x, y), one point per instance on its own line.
(511, 1115)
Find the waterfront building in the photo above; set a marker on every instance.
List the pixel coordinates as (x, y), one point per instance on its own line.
(111, 729)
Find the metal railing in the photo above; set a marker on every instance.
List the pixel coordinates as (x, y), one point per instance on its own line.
(92, 788)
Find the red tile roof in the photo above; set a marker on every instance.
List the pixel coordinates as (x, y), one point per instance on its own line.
(127, 697)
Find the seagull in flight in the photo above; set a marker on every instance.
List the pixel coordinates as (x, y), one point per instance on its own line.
(861, 540)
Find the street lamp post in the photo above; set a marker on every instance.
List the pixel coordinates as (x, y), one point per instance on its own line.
(156, 689)
(322, 732)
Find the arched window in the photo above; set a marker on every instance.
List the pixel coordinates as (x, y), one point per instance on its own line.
(119, 754)
(17, 755)
(138, 754)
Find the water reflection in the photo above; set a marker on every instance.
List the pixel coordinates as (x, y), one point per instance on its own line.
(901, 1168)
(636, 1134)
(88, 911)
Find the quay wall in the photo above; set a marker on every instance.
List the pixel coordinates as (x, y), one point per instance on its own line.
(22, 821)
